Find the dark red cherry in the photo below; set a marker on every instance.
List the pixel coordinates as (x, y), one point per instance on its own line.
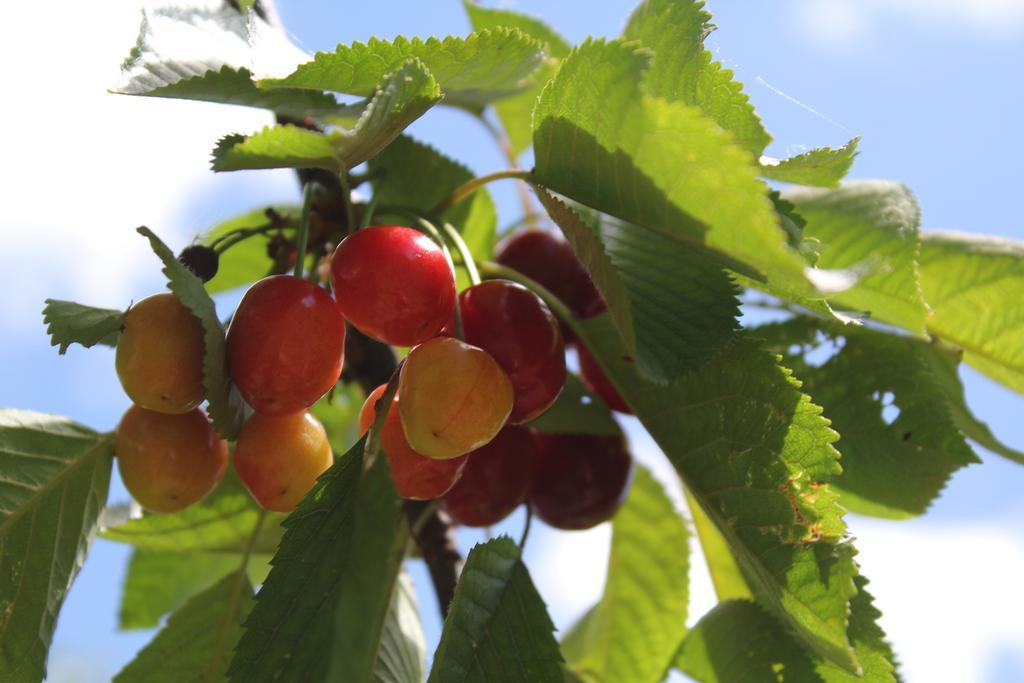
(598, 382)
(512, 324)
(416, 476)
(285, 344)
(550, 260)
(580, 479)
(495, 480)
(393, 283)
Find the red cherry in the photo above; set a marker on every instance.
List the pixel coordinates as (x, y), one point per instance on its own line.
(598, 382)
(580, 479)
(495, 481)
(416, 476)
(550, 260)
(393, 283)
(512, 324)
(285, 344)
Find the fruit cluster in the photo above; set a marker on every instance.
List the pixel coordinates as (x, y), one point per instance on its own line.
(482, 365)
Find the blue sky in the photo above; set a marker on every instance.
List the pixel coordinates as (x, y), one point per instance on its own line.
(933, 88)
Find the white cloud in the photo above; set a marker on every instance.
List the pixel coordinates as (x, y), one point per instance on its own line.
(82, 167)
(847, 23)
(953, 590)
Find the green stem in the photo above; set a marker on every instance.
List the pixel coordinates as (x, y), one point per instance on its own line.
(300, 248)
(466, 190)
(562, 311)
(372, 447)
(368, 211)
(346, 198)
(526, 530)
(467, 256)
(228, 240)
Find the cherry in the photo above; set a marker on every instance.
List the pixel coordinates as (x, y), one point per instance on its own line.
(598, 382)
(285, 344)
(455, 398)
(495, 481)
(416, 476)
(393, 283)
(580, 480)
(168, 462)
(551, 261)
(512, 324)
(160, 355)
(279, 457)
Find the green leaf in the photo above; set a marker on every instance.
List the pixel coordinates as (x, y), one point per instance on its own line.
(196, 643)
(516, 111)
(398, 179)
(400, 98)
(284, 146)
(401, 657)
(471, 71)
(757, 455)
(892, 468)
(823, 167)
(164, 61)
(498, 630)
(682, 69)
(726, 575)
(873, 650)
(322, 610)
(943, 365)
(601, 141)
(869, 229)
(54, 477)
(220, 523)
(159, 582)
(974, 285)
(69, 323)
(632, 635)
(577, 411)
(225, 405)
(246, 261)
(676, 302)
(588, 243)
(739, 641)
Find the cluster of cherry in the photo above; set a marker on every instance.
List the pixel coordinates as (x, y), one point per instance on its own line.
(479, 368)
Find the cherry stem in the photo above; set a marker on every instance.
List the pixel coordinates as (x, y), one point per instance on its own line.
(346, 199)
(466, 190)
(300, 247)
(554, 303)
(372, 446)
(228, 240)
(526, 530)
(368, 211)
(467, 257)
